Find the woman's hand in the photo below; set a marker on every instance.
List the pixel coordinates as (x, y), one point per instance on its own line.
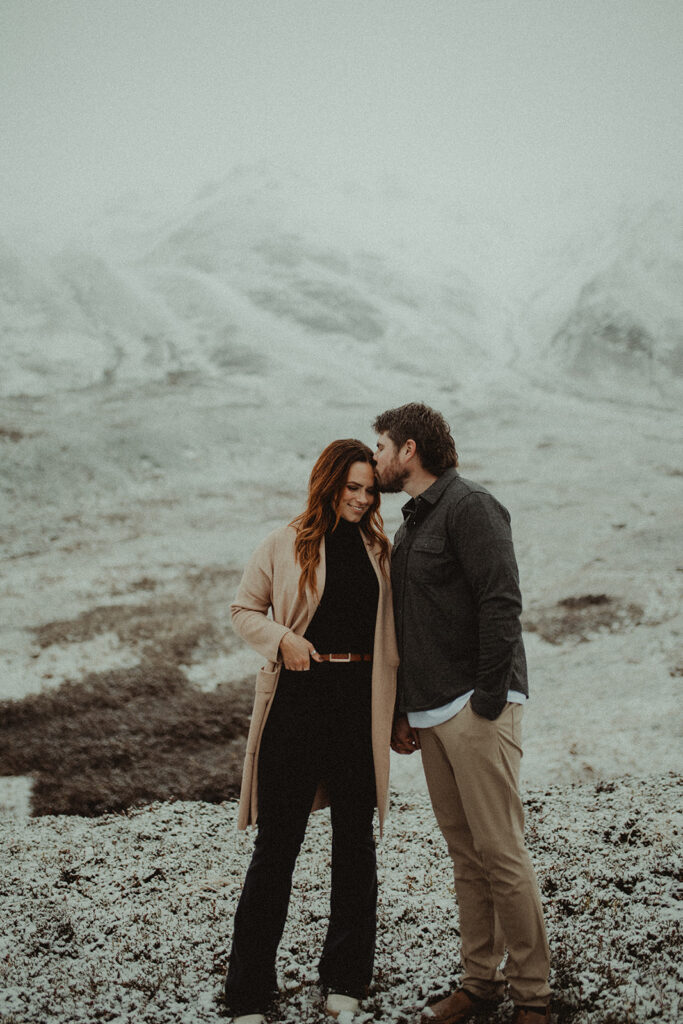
(404, 739)
(297, 652)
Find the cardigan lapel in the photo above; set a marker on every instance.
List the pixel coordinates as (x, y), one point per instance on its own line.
(372, 555)
(313, 599)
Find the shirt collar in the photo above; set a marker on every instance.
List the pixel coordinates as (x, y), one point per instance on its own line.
(415, 509)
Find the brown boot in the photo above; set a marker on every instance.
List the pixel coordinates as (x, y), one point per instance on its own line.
(531, 1015)
(456, 1008)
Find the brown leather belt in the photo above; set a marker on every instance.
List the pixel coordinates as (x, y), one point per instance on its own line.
(345, 657)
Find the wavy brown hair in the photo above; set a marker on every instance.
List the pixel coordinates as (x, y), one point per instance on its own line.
(327, 481)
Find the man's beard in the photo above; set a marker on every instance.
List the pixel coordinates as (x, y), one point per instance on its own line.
(393, 481)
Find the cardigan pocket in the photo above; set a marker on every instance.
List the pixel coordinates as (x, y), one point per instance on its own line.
(266, 679)
(265, 687)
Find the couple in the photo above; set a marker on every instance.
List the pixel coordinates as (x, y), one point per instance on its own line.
(316, 601)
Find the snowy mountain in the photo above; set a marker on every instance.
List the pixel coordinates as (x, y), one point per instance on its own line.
(267, 283)
(245, 284)
(609, 319)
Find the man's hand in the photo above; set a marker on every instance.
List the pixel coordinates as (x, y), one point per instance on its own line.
(297, 652)
(404, 739)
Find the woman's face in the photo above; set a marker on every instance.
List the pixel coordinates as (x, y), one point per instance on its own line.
(358, 493)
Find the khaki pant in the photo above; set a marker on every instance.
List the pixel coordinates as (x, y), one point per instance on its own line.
(472, 771)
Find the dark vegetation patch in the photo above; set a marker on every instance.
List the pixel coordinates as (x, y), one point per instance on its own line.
(126, 737)
(11, 434)
(144, 583)
(576, 618)
(168, 628)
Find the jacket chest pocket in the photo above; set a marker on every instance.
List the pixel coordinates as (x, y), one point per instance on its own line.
(428, 558)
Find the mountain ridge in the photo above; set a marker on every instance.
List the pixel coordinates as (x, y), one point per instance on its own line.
(257, 277)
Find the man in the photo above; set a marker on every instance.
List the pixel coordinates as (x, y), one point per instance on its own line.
(461, 688)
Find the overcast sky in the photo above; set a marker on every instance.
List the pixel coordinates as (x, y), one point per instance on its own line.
(511, 105)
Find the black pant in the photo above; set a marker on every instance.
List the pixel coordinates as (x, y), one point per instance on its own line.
(318, 729)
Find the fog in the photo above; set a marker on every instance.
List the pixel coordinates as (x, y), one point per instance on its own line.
(533, 112)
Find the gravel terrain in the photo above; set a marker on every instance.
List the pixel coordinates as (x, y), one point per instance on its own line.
(127, 917)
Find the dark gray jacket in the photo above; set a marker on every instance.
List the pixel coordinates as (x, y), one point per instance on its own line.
(457, 600)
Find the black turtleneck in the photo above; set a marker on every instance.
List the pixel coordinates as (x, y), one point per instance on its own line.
(345, 618)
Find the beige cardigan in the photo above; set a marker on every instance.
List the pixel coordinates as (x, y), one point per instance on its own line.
(270, 584)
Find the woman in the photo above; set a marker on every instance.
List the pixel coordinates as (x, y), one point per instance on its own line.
(321, 725)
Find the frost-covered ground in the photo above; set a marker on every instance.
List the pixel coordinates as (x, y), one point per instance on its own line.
(142, 499)
(161, 413)
(127, 918)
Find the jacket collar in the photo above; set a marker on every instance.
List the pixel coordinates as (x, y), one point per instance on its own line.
(417, 508)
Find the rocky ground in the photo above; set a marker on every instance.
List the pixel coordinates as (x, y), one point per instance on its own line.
(127, 917)
(127, 516)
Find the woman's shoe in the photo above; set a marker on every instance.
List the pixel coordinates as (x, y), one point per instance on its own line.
(337, 1004)
(250, 1018)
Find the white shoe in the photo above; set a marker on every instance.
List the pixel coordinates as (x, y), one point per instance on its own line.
(337, 1004)
(250, 1018)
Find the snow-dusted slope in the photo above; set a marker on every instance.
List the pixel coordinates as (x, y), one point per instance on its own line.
(608, 320)
(245, 282)
(285, 285)
(45, 337)
(70, 322)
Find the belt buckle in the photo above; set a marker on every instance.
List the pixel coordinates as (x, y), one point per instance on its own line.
(340, 657)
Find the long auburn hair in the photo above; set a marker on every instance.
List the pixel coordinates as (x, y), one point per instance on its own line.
(327, 481)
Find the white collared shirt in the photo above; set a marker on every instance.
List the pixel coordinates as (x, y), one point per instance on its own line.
(437, 716)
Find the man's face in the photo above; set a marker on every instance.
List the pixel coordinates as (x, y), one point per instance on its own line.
(391, 475)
